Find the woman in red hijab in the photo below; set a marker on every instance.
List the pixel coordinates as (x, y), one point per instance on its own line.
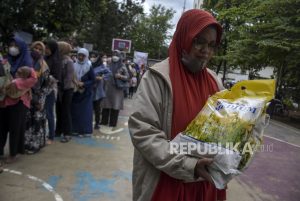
(169, 97)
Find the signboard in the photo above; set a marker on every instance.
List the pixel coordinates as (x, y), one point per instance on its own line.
(140, 58)
(121, 44)
(88, 46)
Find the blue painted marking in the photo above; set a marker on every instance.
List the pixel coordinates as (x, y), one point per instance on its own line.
(92, 143)
(87, 187)
(53, 181)
(123, 175)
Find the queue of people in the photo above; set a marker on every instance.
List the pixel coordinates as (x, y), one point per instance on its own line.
(44, 93)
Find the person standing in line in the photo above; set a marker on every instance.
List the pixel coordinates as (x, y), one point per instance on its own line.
(13, 109)
(96, 59)
(35, 134)
(169, 97)
(102, 74)
(133, 86)
(82, 102)
(114, 100)
(65, 94)
(54, 63)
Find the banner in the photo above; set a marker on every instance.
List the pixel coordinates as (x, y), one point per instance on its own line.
(121, 44)
(140, 58)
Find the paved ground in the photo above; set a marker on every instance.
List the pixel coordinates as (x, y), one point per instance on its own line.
(99, 169)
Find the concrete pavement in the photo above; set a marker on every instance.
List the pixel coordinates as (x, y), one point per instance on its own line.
(99, 169)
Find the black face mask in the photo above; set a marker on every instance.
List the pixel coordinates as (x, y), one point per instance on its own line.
(192, 64)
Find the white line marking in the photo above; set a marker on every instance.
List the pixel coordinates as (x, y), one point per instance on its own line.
(13, 171)
(43, 183)
(282, 141)
(285, 126)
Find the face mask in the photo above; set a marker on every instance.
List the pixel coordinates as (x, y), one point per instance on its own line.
(193, 65)
(13, 51)
(93, 60)
(115, 58)
(105, 63)
(35, 55)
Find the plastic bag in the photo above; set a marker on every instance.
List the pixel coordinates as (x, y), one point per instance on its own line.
(233, 121)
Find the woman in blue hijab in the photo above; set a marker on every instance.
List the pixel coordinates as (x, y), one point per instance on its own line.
(18, 55)
(13, 110)
(114, 100)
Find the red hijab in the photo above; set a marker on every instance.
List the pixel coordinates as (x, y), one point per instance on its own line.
(190, 92)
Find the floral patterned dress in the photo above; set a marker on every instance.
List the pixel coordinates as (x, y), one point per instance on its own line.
(35, 134)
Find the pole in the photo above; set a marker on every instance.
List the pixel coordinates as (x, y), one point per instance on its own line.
(184, 6)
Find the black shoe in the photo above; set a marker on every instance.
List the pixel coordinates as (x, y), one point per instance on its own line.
(96, 127)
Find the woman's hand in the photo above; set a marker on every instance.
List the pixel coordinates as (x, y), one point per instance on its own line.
(80, 84)
(98, 78)
(201, 169)
(118, 75)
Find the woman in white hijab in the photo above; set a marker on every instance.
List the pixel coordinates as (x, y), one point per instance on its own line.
(82, 104)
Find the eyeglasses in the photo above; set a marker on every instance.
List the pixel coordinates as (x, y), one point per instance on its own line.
(200, 43)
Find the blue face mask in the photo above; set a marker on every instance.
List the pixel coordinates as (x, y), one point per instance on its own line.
(35, 55)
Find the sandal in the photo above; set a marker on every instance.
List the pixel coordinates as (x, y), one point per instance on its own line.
(65, 139)
(31, 151)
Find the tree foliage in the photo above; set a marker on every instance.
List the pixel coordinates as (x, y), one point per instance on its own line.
(96, 22)
(261, 33)
(151, 32)
(44, 18)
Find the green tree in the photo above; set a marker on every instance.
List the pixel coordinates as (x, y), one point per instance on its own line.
(262, 33)
(116, 21)
(44, 18)
(150, 34)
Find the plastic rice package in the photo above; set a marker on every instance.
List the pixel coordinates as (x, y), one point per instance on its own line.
(229, 128)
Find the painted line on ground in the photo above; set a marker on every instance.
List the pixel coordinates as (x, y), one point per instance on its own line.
(107, 137)
(282, 141)
(285, 126)
(43, 183)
